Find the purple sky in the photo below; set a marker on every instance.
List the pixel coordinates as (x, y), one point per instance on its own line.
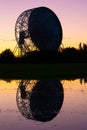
(72, 15)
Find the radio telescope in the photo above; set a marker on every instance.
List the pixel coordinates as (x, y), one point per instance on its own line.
(38, 29)
(40, 100)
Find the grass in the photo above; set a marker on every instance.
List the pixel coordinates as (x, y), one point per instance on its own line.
(42, 71)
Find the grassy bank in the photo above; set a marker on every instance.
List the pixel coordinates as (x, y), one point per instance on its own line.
(41, 71)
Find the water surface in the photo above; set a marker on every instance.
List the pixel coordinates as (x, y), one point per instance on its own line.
(43, 105)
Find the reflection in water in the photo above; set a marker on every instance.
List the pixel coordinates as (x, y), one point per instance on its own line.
(73, 115)
(83, 80)
(40, 100)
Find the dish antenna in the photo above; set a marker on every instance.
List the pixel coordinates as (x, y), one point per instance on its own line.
(40, 100)
(37, 29)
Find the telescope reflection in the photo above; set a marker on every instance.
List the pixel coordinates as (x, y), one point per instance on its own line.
(40, 100)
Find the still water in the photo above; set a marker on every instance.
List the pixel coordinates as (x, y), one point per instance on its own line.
(43, 104)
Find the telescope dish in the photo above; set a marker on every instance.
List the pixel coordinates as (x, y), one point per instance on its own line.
(38, 29)
(40, 100)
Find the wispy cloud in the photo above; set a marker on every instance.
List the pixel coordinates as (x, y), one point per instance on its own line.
(67, 38)
(3, 40)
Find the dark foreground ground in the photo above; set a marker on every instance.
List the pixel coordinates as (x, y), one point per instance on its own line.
(42, 71)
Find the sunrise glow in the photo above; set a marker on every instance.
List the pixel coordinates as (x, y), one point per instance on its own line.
(72, 15)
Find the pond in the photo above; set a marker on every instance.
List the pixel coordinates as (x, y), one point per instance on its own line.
(49, 104)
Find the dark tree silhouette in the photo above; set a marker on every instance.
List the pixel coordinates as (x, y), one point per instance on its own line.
(67, 55)
(7, 56)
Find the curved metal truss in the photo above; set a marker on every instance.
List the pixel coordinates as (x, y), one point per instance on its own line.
(22, 35)
(23, 97)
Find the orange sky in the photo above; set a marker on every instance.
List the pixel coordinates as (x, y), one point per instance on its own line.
(72, 15)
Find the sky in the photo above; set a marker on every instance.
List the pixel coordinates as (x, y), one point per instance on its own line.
(71, 13)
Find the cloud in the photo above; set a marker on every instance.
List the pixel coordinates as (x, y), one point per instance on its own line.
(3, 40)
(67, 38)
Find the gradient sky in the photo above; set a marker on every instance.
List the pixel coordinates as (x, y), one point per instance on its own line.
(72, 15)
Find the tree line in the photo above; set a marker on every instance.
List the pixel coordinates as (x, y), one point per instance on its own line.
(63, 55)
